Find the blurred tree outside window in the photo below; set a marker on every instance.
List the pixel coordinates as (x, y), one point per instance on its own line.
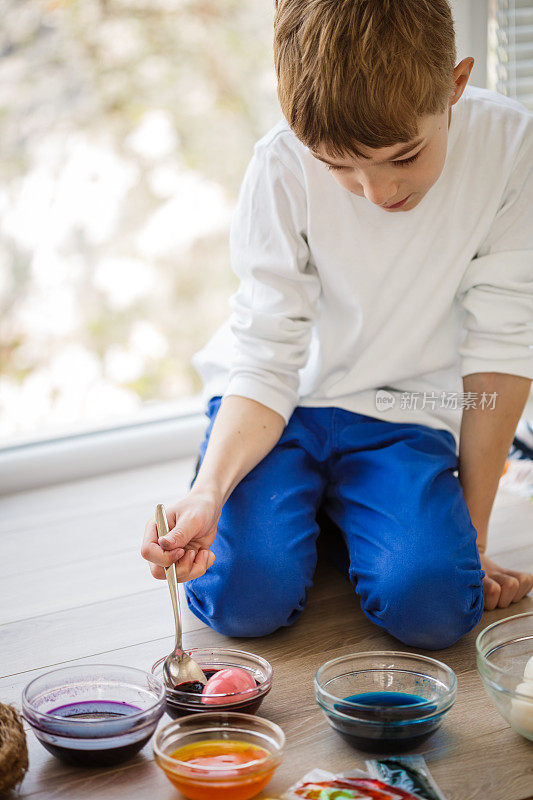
(126, 127)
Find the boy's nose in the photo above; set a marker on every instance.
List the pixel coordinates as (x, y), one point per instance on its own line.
(379, 192)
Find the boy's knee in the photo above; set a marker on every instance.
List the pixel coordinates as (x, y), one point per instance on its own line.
(244, 601)
(234, 619)
(428, 605)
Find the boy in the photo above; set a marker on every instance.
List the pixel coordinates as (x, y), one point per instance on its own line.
(383, 240)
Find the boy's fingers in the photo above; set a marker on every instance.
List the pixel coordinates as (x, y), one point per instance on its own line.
(150, 532)
(157, 572)
(150, 529)
(204, 559)
(167, 542)
(151, 551)
(178, 537)
(184, 566)
(196, 565)
(492, 591)
(509, 587)
(525, 583)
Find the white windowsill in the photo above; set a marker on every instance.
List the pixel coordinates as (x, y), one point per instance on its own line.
(74, 456)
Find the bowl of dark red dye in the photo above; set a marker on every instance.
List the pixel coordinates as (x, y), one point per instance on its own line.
(385, 701)
(187, 698)
(94, 715)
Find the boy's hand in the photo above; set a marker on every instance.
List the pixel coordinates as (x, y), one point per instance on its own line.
(503, 586)
(192, 529)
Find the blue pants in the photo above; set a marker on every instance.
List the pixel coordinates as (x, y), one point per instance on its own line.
(390, 488)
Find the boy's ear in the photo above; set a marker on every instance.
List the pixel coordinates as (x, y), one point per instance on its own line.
(461, 75)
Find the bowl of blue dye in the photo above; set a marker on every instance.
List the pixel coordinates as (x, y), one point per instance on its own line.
(385, 701)
(94, 715)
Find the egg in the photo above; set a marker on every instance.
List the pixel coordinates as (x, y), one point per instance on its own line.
(522, 709)
(528, 671)
(232, 680)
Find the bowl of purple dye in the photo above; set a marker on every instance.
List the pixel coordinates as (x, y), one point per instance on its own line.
(187, 698)
(385, 701)
(94, 715)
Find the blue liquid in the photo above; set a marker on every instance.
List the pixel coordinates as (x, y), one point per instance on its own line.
(385, 721)
(385, 699)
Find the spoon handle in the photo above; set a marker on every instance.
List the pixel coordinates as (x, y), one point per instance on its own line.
(170, 572)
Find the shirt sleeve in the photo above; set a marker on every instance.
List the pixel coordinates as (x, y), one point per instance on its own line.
(274, 307)
(497, 290)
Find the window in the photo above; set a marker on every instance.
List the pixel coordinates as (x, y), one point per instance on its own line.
(126, 127)
(510, 51)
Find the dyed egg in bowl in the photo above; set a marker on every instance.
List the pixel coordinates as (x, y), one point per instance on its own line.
(504, 653)
(188, 698)
(219, 756)
(385, 701)
(94, 715)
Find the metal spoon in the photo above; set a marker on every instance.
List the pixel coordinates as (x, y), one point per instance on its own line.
(179, 667)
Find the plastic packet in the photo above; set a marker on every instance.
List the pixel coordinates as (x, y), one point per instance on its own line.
(355, 785)
(406, 772)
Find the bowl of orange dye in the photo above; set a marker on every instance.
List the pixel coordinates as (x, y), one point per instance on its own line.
(219, 756)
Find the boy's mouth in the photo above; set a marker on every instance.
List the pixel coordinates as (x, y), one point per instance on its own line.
(399, 204)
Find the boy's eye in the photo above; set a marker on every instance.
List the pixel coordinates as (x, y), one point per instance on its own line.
(406, 160)
(403, 163)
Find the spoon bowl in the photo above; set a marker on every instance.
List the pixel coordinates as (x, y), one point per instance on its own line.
(180, 668)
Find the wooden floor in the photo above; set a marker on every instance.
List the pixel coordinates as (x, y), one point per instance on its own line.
(90, 598)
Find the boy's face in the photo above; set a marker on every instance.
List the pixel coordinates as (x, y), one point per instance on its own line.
(395, 178)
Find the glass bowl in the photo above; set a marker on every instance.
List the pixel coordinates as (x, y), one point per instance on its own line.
(225, 777)
(503, 650)
(385, 701)
(212, 659)
(94, 715)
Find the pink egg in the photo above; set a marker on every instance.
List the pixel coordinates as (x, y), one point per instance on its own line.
(232, 680)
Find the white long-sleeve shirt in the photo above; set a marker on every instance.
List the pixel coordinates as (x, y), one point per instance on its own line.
(339, 299)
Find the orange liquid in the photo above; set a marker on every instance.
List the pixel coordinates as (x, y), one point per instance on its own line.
(220, 782)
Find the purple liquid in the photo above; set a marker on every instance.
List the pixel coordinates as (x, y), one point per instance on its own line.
(75, 747)
(97, 709)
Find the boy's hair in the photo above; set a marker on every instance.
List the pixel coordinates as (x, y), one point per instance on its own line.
(362, 71)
